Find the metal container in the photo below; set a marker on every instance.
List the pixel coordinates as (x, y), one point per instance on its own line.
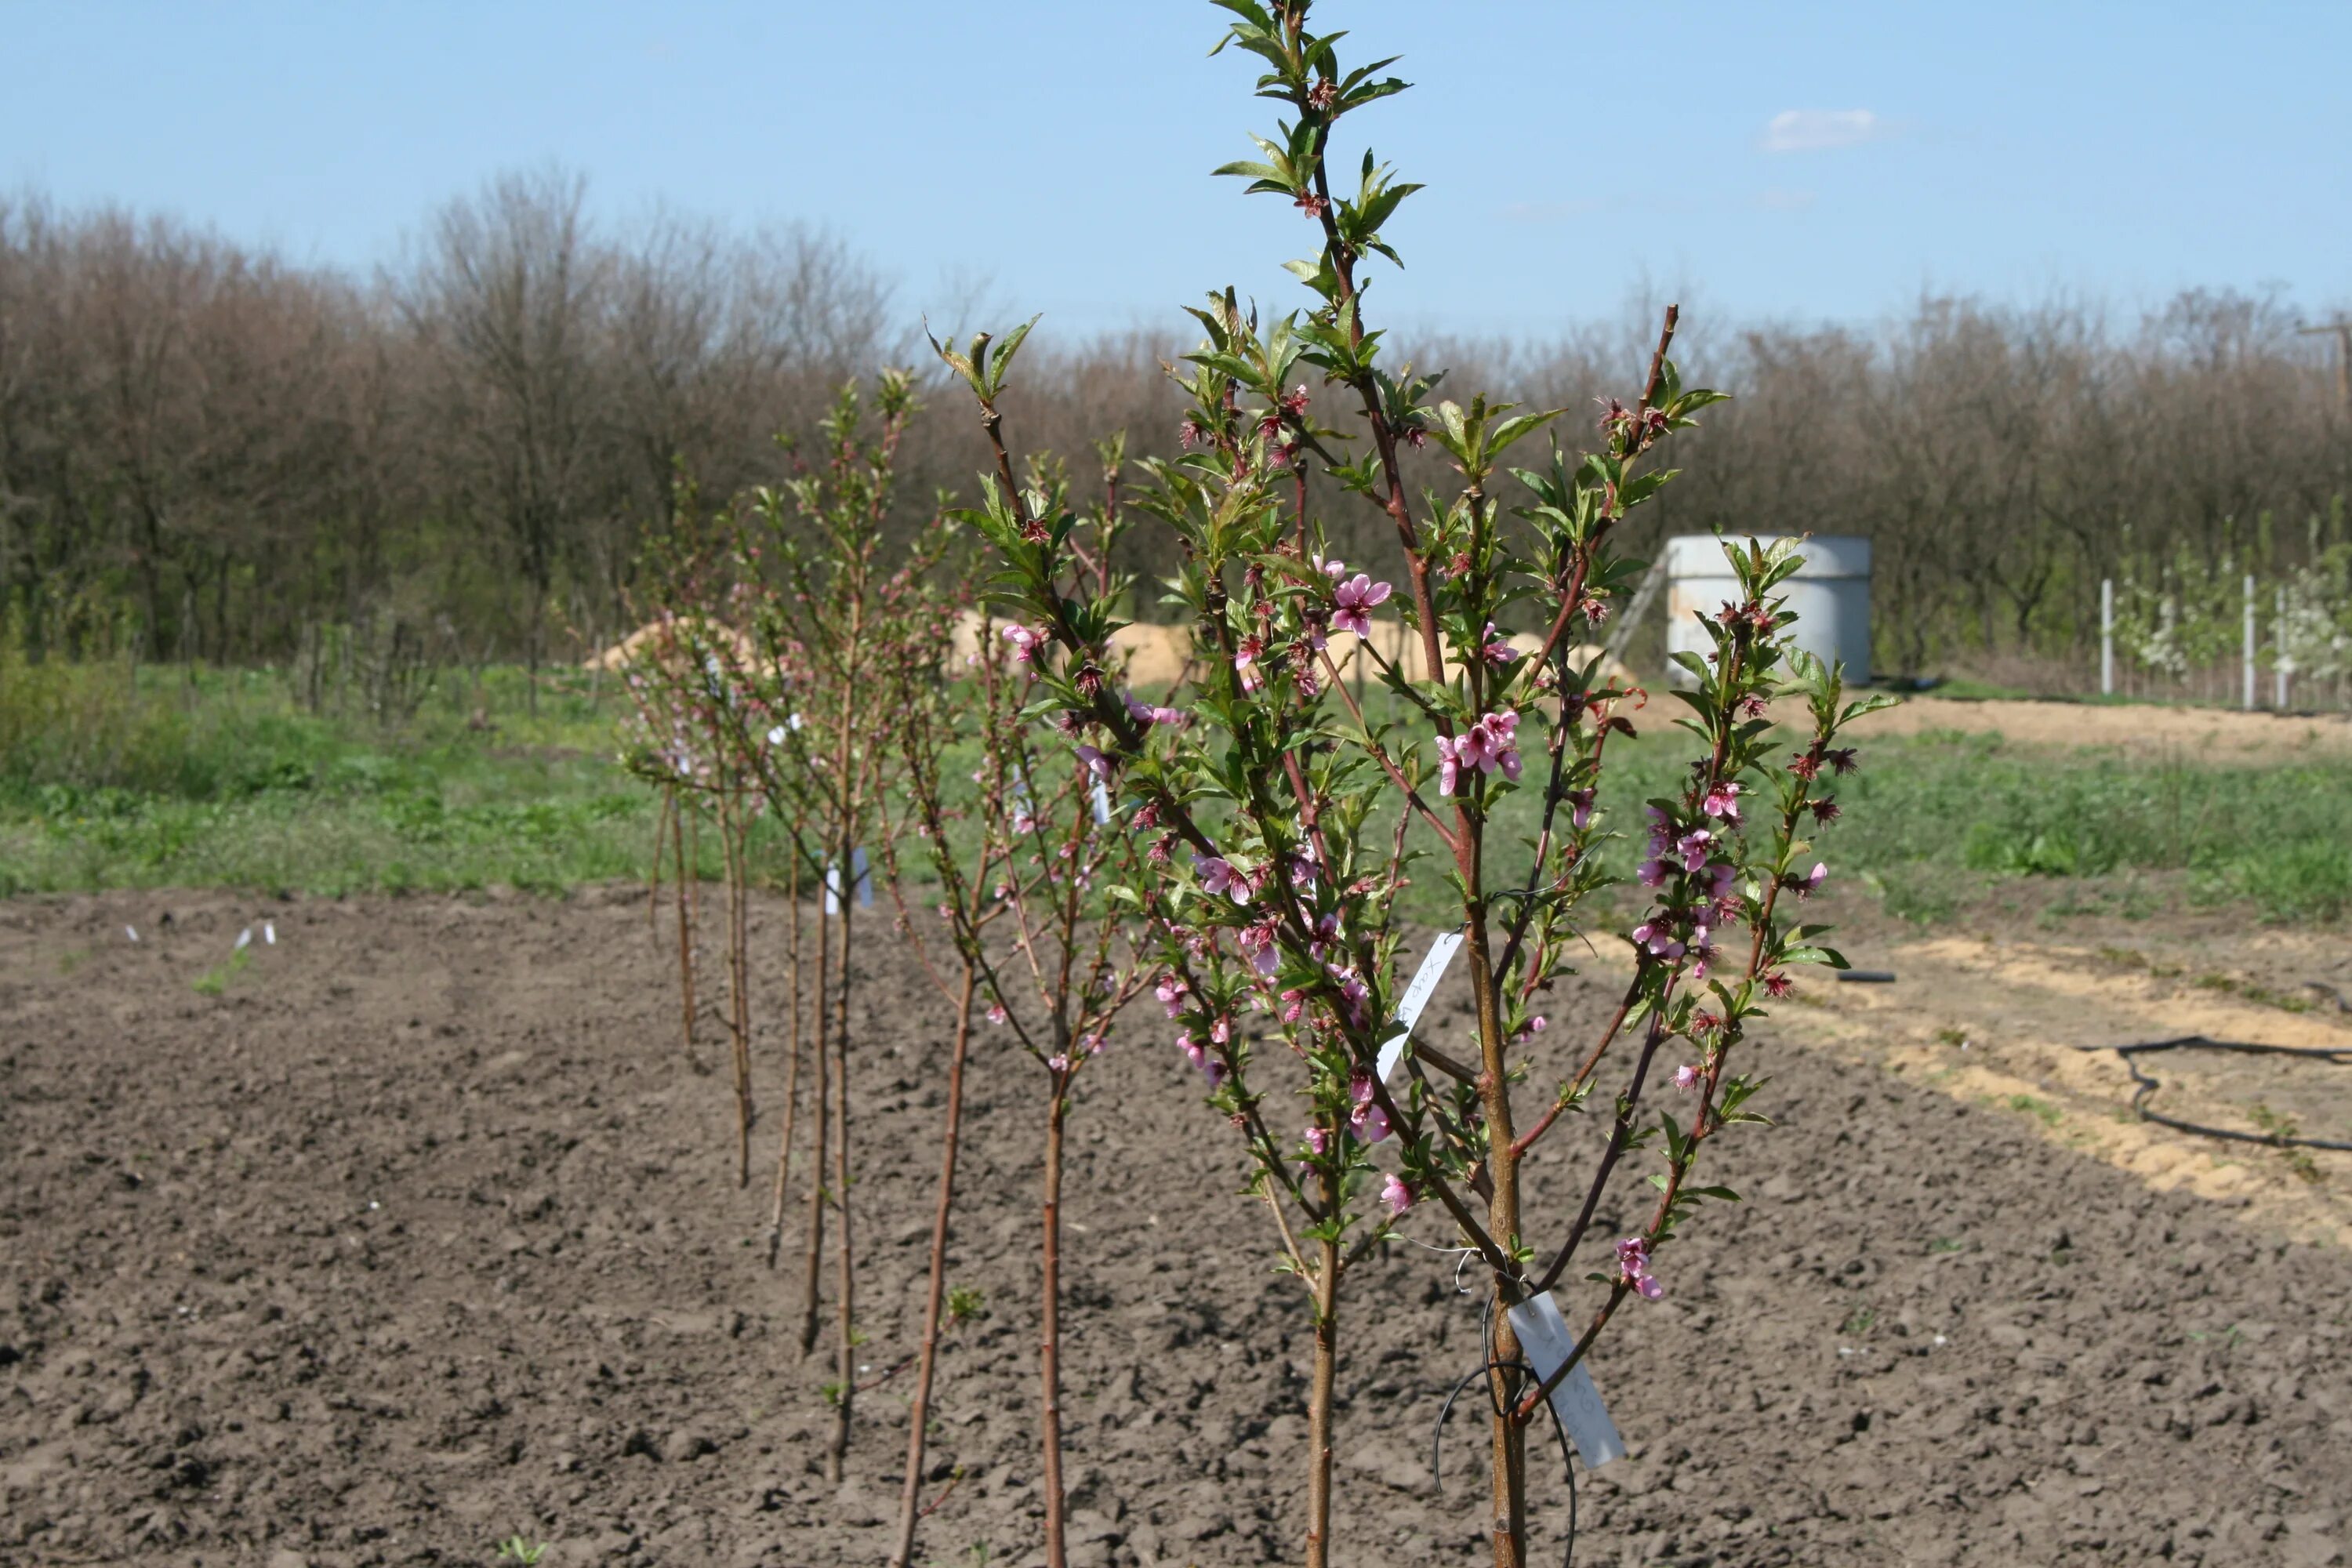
(1830, 593)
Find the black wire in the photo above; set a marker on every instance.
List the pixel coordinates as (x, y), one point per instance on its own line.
(1487, 1367)
(2147, 1086)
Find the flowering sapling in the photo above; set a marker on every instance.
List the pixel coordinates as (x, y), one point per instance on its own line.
(972, 858)
(1281, 823)
(681, 680)
(1050, 872)
(839, 639)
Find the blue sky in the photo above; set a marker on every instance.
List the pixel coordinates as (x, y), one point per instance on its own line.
(1797, 162)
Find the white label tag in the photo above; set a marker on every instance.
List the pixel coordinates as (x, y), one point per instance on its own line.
(832, 884)
(1102, 804)
(1547, 1344)
(1416, 997)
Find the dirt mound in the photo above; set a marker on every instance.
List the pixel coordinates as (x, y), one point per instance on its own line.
(421, 1236)
(1155, 656)
(649, 639)
(2199, 734)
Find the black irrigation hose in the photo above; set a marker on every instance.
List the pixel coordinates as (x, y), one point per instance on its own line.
(1487, 1369)
(2334, 1056)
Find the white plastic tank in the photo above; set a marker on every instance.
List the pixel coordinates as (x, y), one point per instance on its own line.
(1830, 593)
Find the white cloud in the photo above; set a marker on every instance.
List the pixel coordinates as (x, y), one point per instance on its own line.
(1819, 130)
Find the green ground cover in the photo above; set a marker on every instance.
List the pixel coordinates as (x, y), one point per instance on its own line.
(111, 779)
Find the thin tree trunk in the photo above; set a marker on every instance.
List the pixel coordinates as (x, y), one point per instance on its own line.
(919, 1412)
(1318, 1398)
(793, 1053)
(739, 1000)
(1049, 1345)
(685, 927)
(1509, 1525)
(811, 1277)
(661, 847)
(837, 1457)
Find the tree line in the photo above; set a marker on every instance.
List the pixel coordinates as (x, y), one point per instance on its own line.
(226, 450)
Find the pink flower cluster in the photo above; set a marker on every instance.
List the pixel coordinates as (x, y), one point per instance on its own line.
(1490, 745)
(1367, 1122)
(1219, 874)
(1144, 713)
(1025, 642)
(1633, 1269)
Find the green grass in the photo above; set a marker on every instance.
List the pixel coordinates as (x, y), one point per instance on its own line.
(112, 781)
(227, 782)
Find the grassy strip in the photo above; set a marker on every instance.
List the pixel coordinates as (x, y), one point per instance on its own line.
(111, 783)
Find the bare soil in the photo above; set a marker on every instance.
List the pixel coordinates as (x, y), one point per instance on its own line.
(2140, 728)
(422, 1235)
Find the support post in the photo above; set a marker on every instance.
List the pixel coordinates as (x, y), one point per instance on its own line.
(2106, 636)
(2248, 660)
(2279, 664)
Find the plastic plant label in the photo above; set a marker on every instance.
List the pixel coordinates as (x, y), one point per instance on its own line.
(865, 883)
(1102, 804)
(1416, 997)
(1545, 1340)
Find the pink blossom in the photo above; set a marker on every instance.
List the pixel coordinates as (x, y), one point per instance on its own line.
(1397, 1194)
(1222, 1031)
(1656, 938)
(1654, 873)
(1023, 823)
(1355, 997)
(1812, 880)
(1370, 1123)
(1488, 745)
(1097, 763)
(1245, 659)
(1189, 432)
(1219, 874)
(1319, 1140)
(1633, 1269)
(1686, 1078)
(1693, 847)
(1359, 1088)
(1449, 763)
(1210, 1065)
(1058, 1063)
(1579, 814)
(1357, 597)
(1170, 992)
(1722, 801)
(1144, 713)
(996, 1013)
(1025, 642)
(1497, 648)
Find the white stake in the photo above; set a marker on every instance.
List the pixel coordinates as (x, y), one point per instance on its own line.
(2248, 660)
(2106, 636)
(864, 880)
(2279, 664)
(1102, 804)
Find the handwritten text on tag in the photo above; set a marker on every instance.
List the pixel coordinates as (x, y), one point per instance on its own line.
(1416, 997)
